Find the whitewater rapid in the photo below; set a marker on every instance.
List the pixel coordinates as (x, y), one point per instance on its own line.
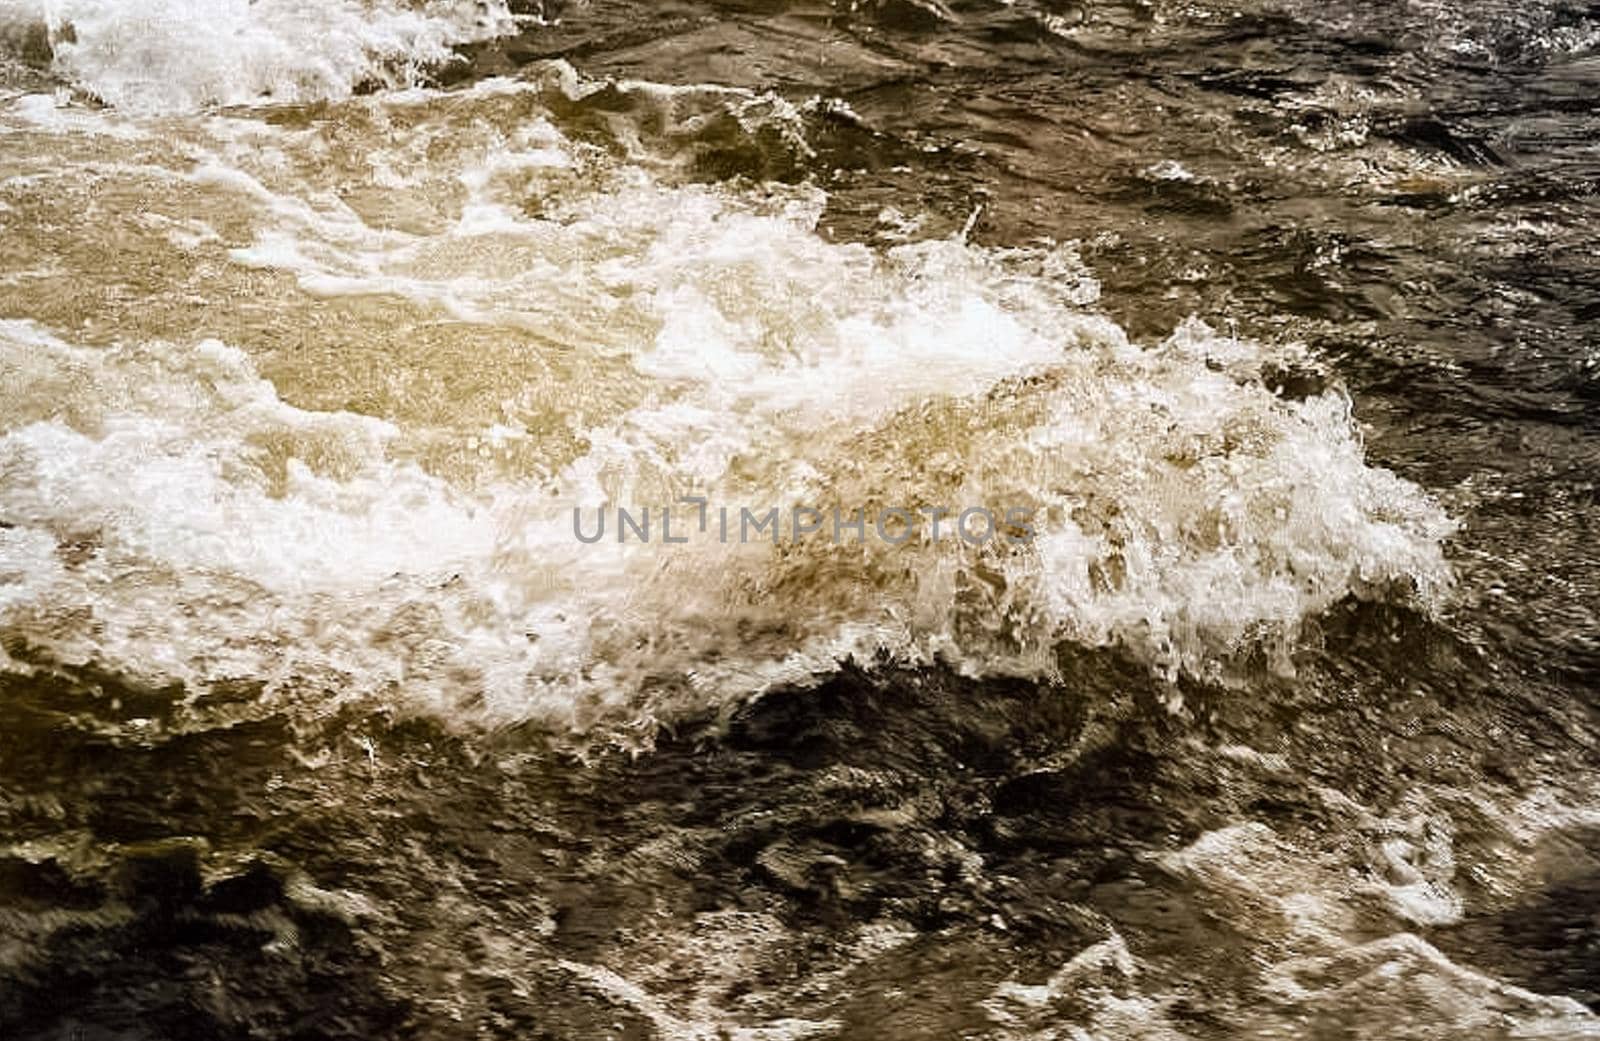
(405, 337)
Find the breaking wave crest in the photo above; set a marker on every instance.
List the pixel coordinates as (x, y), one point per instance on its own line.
(392, 510)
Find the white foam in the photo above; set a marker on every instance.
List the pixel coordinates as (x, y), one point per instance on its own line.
(180, 55)
(1307, 906)
(1360, 987)
(1092, 996)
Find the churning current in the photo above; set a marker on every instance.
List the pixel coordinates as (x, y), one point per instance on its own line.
(887, 519)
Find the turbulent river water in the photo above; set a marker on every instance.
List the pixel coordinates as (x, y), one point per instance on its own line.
(319, 319)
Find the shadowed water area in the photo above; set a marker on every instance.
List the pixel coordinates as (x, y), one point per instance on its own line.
(317, 321)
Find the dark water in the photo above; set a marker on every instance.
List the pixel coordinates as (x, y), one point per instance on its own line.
(1399, 840)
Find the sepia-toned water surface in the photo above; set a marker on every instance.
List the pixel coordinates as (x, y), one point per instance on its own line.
(319, 319)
